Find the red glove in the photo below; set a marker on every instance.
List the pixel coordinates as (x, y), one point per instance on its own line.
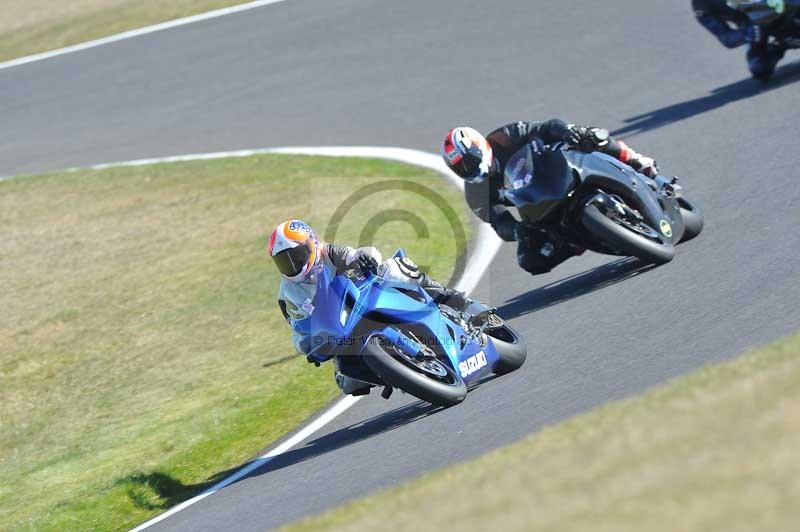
(645, 165)
(641, 163)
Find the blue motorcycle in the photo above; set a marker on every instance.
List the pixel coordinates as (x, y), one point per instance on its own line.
(395, 335)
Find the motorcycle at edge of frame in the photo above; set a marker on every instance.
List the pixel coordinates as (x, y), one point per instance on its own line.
(780, 19)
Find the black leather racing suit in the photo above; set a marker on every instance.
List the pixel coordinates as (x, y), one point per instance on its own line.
(733, 29)
(486, 201)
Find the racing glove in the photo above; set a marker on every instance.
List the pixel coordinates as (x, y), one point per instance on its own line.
(367, 264)
(354, 255)
(587, 139)
(643, 164)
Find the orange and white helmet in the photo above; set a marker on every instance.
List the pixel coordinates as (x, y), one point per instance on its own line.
(295, 248)
(468, 154)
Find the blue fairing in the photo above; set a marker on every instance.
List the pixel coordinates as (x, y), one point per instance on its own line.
(350, 309)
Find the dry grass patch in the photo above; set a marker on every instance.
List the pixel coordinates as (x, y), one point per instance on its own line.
(141, 349)
(716, 450)
(32, 26)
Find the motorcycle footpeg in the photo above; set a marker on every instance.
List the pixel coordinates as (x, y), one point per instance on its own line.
(483, 318)
(387, 392)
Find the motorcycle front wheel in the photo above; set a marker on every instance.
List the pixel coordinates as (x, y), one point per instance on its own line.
(644, 243)
(692, 219)
(426, 378)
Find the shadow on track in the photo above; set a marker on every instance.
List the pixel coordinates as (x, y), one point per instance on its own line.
(159, 490)
(733, 92)
(343, 437)
(572, 287)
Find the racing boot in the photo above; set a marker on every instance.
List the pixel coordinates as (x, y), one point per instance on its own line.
(540, 251)
(478, 313)
(444, 296)
(404, 268)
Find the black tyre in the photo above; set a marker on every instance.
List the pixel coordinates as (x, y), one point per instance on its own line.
(692, 219)
(512, 350)
(430, 379)
(626, 240)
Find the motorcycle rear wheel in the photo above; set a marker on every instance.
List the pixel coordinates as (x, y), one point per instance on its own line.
(431, 380)
(625, 240)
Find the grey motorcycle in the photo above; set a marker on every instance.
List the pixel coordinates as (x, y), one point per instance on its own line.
(593, 201)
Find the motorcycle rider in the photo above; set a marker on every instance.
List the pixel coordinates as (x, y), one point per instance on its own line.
(733, 28)
(481, 161)
(300, 255)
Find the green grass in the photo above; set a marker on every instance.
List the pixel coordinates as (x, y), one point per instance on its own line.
(32, 26)
(142, 353)
(716, 450)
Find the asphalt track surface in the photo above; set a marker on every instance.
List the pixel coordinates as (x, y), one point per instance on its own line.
(360, 72)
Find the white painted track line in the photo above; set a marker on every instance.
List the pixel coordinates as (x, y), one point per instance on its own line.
(485, 246)
(328, 416)
(137, 32)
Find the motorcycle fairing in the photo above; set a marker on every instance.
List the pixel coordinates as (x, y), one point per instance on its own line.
(351, 309)
(539, 179)
(607, 173)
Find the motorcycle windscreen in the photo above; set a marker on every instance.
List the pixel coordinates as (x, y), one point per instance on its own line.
(538, 181)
